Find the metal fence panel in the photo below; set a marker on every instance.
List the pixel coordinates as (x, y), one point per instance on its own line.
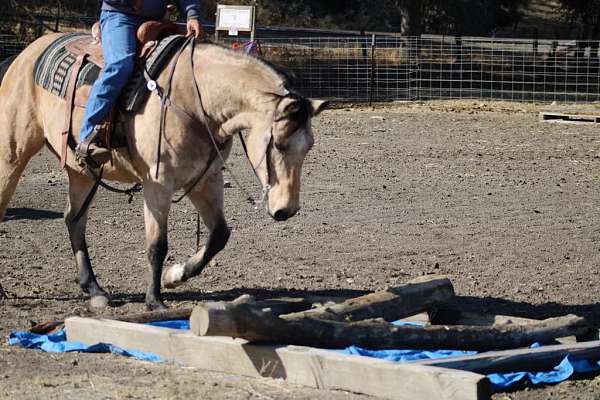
(9, 46)
(425, 68)
(388, 68)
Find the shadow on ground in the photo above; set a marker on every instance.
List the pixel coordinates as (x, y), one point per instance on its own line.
(13, 214)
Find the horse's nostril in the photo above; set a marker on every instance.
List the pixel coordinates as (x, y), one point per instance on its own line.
(281, 215)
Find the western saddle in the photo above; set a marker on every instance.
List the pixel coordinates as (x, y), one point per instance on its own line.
(89, 48)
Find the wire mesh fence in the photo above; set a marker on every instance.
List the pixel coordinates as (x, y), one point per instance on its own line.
(10, 45)
(395, 68)
(425, 68)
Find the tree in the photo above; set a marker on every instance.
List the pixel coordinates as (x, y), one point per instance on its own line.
(585, 14)
(411, 13)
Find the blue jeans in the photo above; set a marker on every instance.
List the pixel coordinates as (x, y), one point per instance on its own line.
(119, 49)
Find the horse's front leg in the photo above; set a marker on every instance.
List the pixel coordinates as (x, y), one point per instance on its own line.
(208, 200)
(80, 187)
(157, 203)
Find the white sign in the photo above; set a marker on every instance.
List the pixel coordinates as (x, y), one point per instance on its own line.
(234, 18)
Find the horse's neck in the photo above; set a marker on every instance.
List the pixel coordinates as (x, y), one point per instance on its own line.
(232, 83)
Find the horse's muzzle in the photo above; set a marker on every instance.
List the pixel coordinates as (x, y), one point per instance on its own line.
(283, 214)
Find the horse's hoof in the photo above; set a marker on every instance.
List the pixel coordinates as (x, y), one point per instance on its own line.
(99, 302)
(173, 276)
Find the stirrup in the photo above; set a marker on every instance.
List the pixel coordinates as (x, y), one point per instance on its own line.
(91, 155)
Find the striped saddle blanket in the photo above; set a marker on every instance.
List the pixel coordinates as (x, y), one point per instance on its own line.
(53, 69)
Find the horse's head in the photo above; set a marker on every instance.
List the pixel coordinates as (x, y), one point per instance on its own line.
(277, 146)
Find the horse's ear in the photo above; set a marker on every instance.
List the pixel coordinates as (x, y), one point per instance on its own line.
(318, 106)
(287, 107)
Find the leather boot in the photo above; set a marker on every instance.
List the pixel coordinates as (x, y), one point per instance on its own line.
(90, 153)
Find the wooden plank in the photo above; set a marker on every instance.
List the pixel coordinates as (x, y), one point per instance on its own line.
(526, 359)
(306, 366)
(546, 116)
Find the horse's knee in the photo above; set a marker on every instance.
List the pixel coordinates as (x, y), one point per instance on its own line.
(69, 219)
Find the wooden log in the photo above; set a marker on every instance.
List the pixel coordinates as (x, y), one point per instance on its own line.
(538, 359)
(152, 316)
(452, 315)
(47, 327)
(295, 364)
(276, 306)
(248, 322)
(412, 298)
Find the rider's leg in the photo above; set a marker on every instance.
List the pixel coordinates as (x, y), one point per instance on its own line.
(119, 49)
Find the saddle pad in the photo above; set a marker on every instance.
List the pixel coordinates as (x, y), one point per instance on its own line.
(53, 68)
(55, 64)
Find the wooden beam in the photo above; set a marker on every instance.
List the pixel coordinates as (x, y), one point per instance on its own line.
(306, 366)
(574, 118)
(412, 298)
(245, 320)
(526, 359)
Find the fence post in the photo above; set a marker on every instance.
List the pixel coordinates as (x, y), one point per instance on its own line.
(372, 71)
(57, 22)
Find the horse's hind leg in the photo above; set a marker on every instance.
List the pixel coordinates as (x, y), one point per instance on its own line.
(208, 200)
(15, 153)
(79, 188)
(10, 172)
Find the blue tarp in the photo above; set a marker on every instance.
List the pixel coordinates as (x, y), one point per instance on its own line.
(57, 343)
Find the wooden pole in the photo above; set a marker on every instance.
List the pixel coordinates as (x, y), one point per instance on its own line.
(253, 324)
(396, 303)
(372, 70)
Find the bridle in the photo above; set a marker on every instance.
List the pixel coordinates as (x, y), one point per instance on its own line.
(166, 103)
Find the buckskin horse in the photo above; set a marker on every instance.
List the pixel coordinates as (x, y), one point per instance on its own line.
(233, 93)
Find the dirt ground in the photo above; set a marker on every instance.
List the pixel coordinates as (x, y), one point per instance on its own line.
(504, 205)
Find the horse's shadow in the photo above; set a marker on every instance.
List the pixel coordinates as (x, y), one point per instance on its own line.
(13, 214)
(119, 299)
(488, 305)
